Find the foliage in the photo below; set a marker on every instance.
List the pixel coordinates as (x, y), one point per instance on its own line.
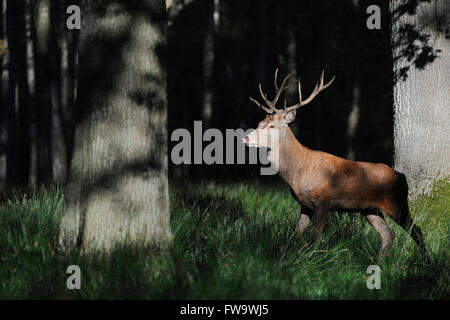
(415, 44)
(231, 241)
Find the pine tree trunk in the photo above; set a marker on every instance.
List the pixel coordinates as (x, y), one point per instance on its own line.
(421, 102)
(118, 184)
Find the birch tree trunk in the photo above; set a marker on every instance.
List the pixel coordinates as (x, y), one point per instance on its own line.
(118, 184)
(421, 102)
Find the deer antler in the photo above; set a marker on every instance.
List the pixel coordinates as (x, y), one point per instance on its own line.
(278, 90)
(319, 87)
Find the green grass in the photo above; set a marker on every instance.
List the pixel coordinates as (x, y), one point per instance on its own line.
(232, 241)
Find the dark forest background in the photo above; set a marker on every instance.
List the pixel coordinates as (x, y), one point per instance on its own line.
(218, 53)
(225, 58)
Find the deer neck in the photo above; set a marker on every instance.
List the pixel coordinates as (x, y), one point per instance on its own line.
(292, 158)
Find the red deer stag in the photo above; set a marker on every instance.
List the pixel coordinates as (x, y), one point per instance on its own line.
(321, 182)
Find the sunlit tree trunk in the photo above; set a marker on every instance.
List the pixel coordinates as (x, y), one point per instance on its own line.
(421, 102)
(118, 185)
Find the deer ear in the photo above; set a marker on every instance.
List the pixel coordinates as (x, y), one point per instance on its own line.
(290, 116)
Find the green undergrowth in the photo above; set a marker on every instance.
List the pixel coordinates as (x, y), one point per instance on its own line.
(231, 241)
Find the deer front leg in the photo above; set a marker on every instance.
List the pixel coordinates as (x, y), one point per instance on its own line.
(320, 214)
(303, 221)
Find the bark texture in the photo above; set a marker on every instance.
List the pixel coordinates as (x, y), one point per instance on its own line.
(43, 101)
(353, 118)
(421, 102)
(118, 185)
(58, 141)
(31, 91)
(4, 93)
(208, 66)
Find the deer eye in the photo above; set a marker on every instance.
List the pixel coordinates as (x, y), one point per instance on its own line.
(271, 126)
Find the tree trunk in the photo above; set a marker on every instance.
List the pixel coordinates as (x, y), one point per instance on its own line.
(4, 95)
(44, 104)
(118, 185)
(11, 94)
(58, 141)
(353, 117)
(31, 90)
(261, 63)
(68, 80)
(73, 40)
(421, 110)
(291, 58)
(22, 146)
(208, 66)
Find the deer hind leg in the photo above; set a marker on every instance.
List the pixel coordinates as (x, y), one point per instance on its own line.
(400, 214)
(380, 225)
(406, 222)
(416, 234)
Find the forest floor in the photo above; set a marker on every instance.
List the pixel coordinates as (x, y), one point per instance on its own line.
(231, 241)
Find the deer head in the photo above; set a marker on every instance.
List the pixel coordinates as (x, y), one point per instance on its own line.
(277, 120)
